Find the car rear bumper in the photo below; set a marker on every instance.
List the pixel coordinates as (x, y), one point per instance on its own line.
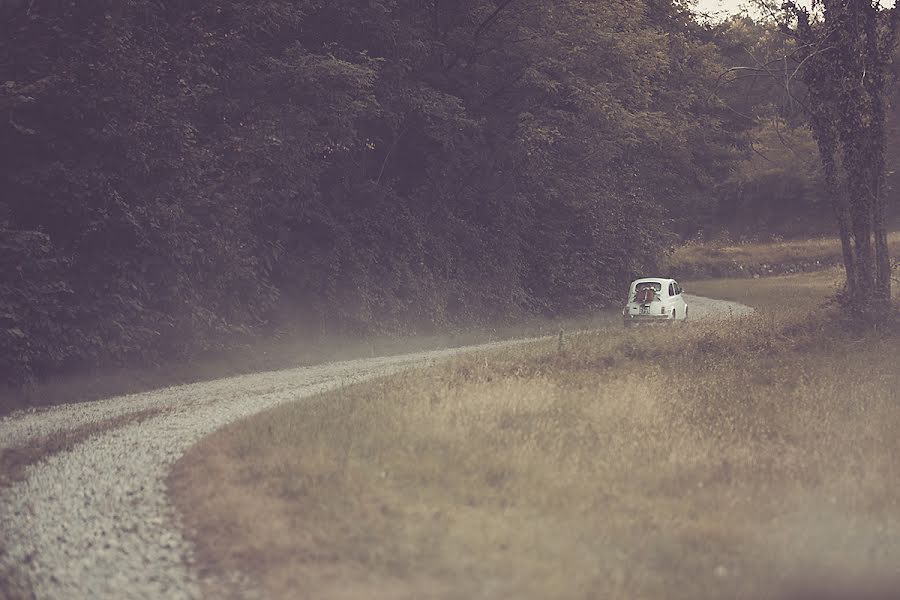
(635, 319)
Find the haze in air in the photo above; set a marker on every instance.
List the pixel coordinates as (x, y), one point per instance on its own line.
(450, 299)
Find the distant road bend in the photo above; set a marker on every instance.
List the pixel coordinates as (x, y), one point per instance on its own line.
(93, 521)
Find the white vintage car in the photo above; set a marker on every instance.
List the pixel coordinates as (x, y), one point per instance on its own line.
(655, 300)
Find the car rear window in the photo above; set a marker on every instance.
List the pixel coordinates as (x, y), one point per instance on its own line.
(646, 291)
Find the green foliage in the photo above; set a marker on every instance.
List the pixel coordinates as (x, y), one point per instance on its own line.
(199, 171)
(779, 188)
(33, 302)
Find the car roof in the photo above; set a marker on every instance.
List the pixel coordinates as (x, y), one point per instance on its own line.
(651, 280)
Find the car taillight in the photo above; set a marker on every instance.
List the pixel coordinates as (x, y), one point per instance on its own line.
(662, 310)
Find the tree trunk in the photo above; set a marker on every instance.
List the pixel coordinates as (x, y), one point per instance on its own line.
(842, 214)
(862, 288)
(880, 54)
(882, 256)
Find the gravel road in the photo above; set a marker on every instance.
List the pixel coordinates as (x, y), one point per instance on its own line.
(93, 521)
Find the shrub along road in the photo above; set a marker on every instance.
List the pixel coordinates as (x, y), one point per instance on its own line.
(90, 518)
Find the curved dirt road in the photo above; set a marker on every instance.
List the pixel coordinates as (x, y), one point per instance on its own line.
(92, 521)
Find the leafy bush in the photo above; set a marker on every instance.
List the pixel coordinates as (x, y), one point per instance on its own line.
(189, 173)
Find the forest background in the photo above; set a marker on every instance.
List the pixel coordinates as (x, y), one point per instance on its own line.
(181, 177)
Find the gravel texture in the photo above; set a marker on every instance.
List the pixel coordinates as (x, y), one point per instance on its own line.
(93, 522)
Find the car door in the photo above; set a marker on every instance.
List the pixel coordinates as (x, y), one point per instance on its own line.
(681, 304)
(672, 300)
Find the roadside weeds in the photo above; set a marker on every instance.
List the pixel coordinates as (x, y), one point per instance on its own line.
(659, 463)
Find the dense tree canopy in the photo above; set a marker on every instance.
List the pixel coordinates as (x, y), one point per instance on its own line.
(177, 175)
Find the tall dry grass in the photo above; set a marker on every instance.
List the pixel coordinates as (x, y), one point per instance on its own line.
(720, 460)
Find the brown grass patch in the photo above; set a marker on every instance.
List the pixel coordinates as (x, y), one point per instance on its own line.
(788, 295)
(711, 461)
(699, 260)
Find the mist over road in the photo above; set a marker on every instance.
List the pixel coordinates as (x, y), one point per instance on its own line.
(94, 522)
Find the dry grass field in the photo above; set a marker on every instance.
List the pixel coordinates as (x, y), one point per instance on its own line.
(715, 460)
(746, 260)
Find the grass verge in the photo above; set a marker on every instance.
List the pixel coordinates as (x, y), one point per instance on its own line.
(749, 260)
(710, 461)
